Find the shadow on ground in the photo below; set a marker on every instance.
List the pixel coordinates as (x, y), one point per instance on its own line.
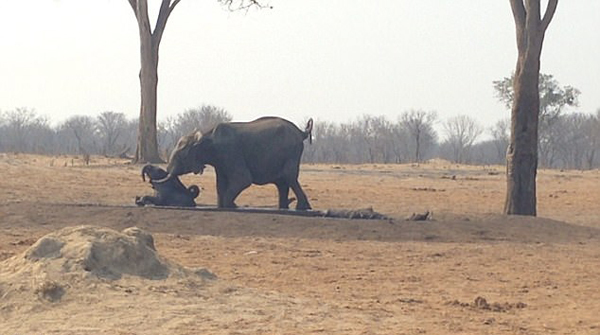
(483, 228)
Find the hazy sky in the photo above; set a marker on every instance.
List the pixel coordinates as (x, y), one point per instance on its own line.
(331, 60)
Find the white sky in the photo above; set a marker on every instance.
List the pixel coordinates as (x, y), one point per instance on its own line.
(332, 60)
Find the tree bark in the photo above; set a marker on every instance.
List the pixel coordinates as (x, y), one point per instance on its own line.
(522, 153)
(147, 143)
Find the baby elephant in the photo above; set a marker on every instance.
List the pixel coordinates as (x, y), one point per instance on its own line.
(171, 193)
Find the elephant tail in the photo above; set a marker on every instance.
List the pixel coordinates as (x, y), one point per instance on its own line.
(308, 130)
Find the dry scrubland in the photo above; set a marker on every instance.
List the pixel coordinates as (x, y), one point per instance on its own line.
(468, 271)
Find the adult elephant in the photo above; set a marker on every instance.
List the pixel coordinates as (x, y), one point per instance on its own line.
(264, 151)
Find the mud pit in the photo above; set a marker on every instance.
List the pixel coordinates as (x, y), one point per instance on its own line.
(469, 271)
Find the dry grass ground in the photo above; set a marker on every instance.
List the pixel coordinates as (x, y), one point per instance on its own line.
(469, 271)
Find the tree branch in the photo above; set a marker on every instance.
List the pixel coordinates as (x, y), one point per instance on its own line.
(235, 5)
(161, 22)
(518, 12)
(142, 16)
(532, 14)
(133, 4)
(550, 10)
(519, 15)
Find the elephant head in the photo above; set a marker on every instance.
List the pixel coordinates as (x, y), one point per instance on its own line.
(187, 156)
(153, 173)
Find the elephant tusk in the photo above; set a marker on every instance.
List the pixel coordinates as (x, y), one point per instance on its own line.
(164, 180)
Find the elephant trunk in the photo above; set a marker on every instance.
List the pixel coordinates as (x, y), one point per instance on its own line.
(146, 171)
(172, 172)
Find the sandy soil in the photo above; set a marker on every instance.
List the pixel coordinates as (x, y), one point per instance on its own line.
(468, 271)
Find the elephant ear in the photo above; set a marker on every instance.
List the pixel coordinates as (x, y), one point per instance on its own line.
(202, 151)
(202, 142)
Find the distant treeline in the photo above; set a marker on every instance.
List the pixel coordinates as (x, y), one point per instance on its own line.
(569, 141)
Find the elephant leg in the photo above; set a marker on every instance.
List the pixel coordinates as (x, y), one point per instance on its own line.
(236, 183)
(291, 172)
(283, 189)
(147, 200)
(302, 200)
(222, 184)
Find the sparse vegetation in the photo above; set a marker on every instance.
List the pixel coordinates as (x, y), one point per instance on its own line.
(412, 138)
(452, 267)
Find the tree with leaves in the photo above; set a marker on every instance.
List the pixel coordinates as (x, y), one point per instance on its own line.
(522, 153)
(553, 101)
(147, 144)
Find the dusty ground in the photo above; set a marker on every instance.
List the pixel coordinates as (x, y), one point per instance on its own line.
(469, 271)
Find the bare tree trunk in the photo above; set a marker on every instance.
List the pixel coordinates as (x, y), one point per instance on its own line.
(147, 143)
(418, 145)
(522, 153)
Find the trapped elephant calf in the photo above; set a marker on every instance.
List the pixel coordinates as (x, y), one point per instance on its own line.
(171, 193)
(264, 151)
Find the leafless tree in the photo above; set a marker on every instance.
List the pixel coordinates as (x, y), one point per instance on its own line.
(577, 141)
(400, 139)
(83, 128)
(461, 133)
(592, 133)
(111, 126)
(25, 131)
(369, 139)
(168, 135)
(202, 118)
(374, 133)
(329, 145)
(500, 132)
(522, 154)
(128, 140)
(418, 124)
(150, 38)
(366, 140)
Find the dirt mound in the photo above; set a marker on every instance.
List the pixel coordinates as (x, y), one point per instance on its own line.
(90, 280)
(89, 251)
(102, 252)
